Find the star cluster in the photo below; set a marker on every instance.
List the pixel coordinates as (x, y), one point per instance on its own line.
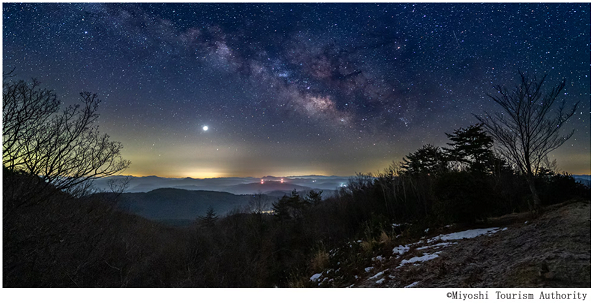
(213, 90)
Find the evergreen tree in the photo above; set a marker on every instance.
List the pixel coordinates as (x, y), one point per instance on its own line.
(429, 159)
(290, 207)
(314, 197)
(471, 147)
(210, 218)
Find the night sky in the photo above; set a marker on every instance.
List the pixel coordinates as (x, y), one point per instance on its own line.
(221, 90)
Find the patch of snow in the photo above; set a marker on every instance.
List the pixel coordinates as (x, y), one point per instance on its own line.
(376, 276)
(368, 269)
(423, 258)
(436, 245)
(467, 234)
(419, 242)
(378, 258)
(399, 250)
(427, 230)
(315, 277)
(380, 281)
(356, 277)
(392, 277)
(411, 285)
(359, 241)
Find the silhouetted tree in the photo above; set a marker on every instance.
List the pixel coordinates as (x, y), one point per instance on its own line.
(428, 160)
(63, 149)
(360, 182)
(471, 147)
(258, 203)
(290, 207)
(210, 218)
(314, 197)
(526, 130)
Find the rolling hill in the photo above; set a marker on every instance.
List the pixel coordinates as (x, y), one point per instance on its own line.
(180, 206)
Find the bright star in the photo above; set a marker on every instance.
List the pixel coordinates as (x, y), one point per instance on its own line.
(205, 128)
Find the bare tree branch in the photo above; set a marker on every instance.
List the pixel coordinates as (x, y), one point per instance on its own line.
(62, 149)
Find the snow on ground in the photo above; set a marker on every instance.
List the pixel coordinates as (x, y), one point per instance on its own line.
(437, 242)
(467, 234)
(376, 276)
(378, 258)
(400, 250)
(315, 277)
(411, 285)
(436, 245)
(423, 258)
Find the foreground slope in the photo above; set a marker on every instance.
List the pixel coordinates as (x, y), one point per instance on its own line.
(553, 250)
(518, 250)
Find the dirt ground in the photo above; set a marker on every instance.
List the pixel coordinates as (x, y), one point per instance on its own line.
(552, 250)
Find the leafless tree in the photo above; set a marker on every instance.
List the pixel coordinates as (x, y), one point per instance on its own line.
(259, 202)
(527, 129)
(64, 150)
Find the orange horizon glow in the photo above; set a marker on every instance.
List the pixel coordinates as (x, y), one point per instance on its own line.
(208, 175)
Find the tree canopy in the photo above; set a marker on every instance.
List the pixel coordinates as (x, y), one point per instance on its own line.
(471, 147)
(427, 160)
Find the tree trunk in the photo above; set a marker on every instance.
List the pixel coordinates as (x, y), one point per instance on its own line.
(536, 201)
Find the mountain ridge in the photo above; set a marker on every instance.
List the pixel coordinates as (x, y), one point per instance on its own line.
(236, 185)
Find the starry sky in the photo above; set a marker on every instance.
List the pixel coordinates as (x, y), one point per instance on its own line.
(222, 90)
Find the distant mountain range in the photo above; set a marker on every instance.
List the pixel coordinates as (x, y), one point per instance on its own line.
(583, 179)
(235, 185)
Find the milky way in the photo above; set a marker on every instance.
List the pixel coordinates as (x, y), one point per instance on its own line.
(288, 89)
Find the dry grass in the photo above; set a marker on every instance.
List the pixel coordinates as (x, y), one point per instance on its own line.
(320, 260)
(384, 238)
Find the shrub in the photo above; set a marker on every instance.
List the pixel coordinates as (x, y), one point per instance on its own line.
(462, 198)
